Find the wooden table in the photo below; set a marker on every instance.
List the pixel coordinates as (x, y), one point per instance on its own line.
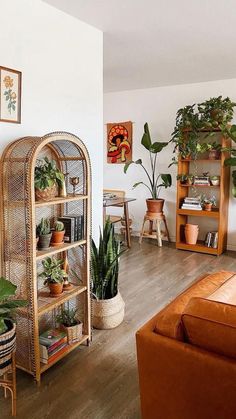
(114, 202)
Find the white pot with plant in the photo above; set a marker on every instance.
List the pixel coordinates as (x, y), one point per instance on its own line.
(8, 304)
(108, 306)
(155, 182)
(53, 275)
(70, 324)
(47, 179)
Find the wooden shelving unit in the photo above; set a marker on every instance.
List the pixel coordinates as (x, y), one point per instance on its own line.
(220, 214)
(21, 262)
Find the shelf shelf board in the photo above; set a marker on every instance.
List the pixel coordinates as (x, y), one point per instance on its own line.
(68, 349)
(61, 200)
(41, 254)
(47, 303)
(199, 247)
(198, 186)
(210, 214)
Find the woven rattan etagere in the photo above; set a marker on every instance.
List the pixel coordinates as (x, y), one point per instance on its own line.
(21, 262)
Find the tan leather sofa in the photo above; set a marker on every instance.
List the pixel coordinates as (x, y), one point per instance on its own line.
(187, 354)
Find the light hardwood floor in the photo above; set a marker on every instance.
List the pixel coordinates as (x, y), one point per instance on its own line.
(101, 382)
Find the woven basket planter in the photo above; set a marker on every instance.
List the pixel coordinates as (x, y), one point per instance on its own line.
(46, 194)
(7, 346)
(107, 314)
(74, 333)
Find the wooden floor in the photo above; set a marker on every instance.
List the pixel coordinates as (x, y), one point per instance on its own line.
(100, 382)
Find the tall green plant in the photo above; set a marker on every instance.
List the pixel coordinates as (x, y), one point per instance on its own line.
(231, 161)
(155, 181)
(7, 304)
(105, 264)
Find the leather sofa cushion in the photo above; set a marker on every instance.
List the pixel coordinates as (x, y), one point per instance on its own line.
(211, 324)
(168, 321)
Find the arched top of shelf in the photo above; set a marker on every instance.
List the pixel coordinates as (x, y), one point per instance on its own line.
(65, 145)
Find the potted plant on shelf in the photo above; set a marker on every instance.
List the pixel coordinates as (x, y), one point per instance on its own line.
(47, 179)
(108, 305)
(155, 181)
(70, 324)
(190, 179)
(7, 326)
(208, 203)
(53, 275)
(214, 150)
(43, 232)
(216, 112)
(58, 233)
(215, 180)
(182, 178)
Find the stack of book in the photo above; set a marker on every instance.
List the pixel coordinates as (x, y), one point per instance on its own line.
(74, 227)
(192, 204)
(201, 180)
(52, 344)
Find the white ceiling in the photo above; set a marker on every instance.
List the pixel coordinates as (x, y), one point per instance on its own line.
(161, 42)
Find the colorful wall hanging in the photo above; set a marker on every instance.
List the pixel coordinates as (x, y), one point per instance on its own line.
(119, 142)
(10, 95)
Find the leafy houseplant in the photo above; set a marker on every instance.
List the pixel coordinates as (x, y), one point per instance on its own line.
(231, 161)
(58, 233)
(69, 322)
(155, 181)
(216, 112)
(182, 178)
(108, 305)
(208, 203)
(53, 275)
(43, 232)
(47, 178)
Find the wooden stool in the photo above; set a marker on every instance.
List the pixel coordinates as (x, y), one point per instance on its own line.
(9, 383)
(155, 220)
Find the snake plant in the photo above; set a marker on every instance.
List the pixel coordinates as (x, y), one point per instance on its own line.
(105, 264)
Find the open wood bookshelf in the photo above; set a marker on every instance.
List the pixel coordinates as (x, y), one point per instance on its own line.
(220, 214)
(22, 263)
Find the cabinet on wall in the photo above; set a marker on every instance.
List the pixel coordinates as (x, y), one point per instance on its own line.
(218, 216)
(22, 262)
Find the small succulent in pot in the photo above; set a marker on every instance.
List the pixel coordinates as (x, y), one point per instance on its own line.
(53, 275)
(47, 179)
(58, 233)
(190, 179)
(70, 324)
(215, 180)
(208, 203)
(182, 178)
(43, 232)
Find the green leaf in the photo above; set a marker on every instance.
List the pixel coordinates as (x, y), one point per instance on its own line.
(139, 161)
(126, 166)
(136, 184)
(231, 161)
(146, 139)
(157, 147)
(167, 180)
(3, 326)
(7, 289)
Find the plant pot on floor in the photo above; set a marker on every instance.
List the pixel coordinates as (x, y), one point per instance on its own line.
(57, 237)
(191, 233)
(155, 205)
(55, 288)
(74, 333)
(7, 346)
(44, 241)
(47, 193)
(109, 313)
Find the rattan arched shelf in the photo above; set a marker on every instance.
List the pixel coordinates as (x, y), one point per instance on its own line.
(21, 262)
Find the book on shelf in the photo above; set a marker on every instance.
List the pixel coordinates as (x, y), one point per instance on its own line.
(46, 353)
(51, 343)
(51, 336)
(201, 180)
(55, 355)
(192, 203)
(74, 227)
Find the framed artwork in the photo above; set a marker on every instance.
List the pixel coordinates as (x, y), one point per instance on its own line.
(119, 142)
(10, 95)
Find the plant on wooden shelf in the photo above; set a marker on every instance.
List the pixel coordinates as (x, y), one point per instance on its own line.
(215, 180)
(58, 233)
(155, 181)
(231, 161)
(47, 179)
(216, 112)
(8, 305)
(208, 203)
(108, 305)
(53, 275)
(43, 232)
(70, 324)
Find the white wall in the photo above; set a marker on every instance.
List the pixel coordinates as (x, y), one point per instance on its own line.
(158, 107)
(61, 62)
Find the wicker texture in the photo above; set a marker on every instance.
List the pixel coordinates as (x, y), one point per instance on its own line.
(108, 314)
(20, 214)
(7, 346)
(74, 333)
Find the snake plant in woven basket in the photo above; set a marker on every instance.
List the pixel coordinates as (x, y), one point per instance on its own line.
(105, 264)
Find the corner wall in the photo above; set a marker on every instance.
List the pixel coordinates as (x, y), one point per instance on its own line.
(158, 107)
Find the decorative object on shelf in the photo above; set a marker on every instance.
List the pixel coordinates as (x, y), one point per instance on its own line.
(190, 179)
(70, 324)
(74, 181)
(182, 179)
(58, 234)
(208, 203)
(47, 179)
(119, 142)
(154, 204)
(53, 275)
(215, 180)
(191, 233)
(44, 234)
(108, 305)
(62, 187)
(66, 284)
(211, 239)
(10, 95)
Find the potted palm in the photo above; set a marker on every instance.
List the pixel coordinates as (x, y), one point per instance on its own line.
(108, 305)
(58, 233)
(47, 179)
(8, 304)
(70, 324)
(155, 181)
(43, 232)
(53, 275)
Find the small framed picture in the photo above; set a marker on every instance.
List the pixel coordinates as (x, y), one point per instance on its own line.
(10, 95)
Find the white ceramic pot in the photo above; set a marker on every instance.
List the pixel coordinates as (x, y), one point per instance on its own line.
(107, 314)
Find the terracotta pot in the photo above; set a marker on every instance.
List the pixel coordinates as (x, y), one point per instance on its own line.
(207, 207)
(155, 205)
(46, 194)
(55, 289)
(57, 237)
(108, 314)
(214, 155)
(191, 233)
(44, 241)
